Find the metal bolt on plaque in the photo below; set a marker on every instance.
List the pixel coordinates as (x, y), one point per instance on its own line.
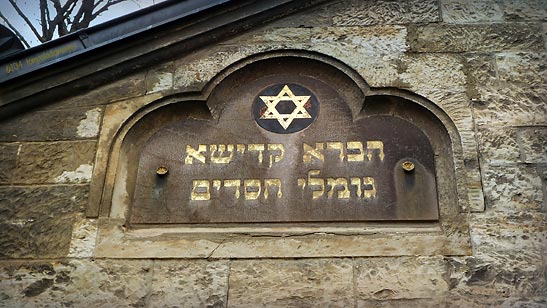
(408, 166)
(162, 171)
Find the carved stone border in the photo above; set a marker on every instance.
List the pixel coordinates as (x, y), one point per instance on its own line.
(109, 198)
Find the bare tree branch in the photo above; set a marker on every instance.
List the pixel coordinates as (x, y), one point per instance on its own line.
(25, 18)
(62, 16)
(106, 7)
(21, 37)
(43, 19)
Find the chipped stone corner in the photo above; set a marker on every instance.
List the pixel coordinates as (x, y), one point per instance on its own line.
(84, 236)
(82, 174)
(159, 82)
(90, 125)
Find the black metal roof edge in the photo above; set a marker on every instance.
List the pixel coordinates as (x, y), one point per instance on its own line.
(238, 16)
(107, 24)
(105, 33)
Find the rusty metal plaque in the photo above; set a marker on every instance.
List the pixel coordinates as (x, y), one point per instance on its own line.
(272, 157)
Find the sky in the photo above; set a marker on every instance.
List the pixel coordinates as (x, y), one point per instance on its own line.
(31, 9)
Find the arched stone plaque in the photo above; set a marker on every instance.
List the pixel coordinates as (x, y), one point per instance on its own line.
(285, 148)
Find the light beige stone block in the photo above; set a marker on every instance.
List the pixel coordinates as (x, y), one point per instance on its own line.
(400, 278)
(511, 105)
(462, 11)
(533, 144)
(359, 13)
(291, 283)
(475, 37)
(433, 72)
(498, 146)
(524, 9)
(189, 283)
(359, 41)
(512, 188)
(528, 69)
(81, 283)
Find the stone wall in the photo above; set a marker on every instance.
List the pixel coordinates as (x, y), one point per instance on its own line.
(483, 62)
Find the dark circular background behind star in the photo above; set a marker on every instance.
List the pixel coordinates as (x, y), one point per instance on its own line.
(285, 107)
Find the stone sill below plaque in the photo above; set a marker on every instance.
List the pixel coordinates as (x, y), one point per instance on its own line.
(281, 241)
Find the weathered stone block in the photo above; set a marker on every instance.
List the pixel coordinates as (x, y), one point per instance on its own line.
(75, 284)
(194, 72)
(511, 105)
(375, 40)
(378, 71)
(530, 69)
(458, 301)
(194, 283)
(84, 237)
(477, 37)
(313, 17)
(498, 146)
(524, 10)
(361, 13)
(37, 221)
(542, 171)
(400, 278)
(462, 11)
(159, 80)
(58, 162)
(456, 104)
(271, 35)
(8, 161)
(511, 239)
(480, 70)
(121, 89)
(432, 72)
(533, 144)
(512, 188)
(52, 125)
(291, 283)
(508, 257)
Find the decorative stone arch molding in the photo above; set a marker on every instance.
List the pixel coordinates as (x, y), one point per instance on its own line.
(452, 108)
(129, 226)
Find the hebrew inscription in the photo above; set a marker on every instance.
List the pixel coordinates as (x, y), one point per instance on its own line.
(285, 162)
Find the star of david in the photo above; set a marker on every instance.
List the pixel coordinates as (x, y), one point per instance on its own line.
(285, 119)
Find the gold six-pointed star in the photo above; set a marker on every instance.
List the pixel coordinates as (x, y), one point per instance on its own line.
(285, 119)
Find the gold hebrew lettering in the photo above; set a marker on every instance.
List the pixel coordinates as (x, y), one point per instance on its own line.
(258, 148)
(217, 184)
(240, 148)
(219, 158)
(272, 182)
(370, 188)
(356, 182)
(354, 146)
(375, 145)
(234, 183)
(192, 154)
(276, 157)
(334, 183)
(252, 189)
(337, 146)
(316, 182)
(200, 190)
(310, 152)
(302, 182)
